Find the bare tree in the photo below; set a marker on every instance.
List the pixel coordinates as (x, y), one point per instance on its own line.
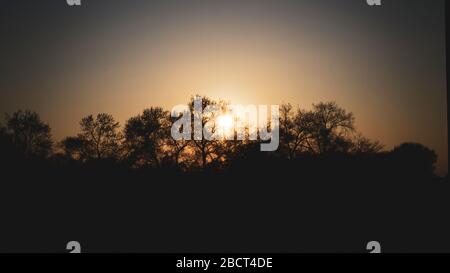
(101, 136)
(363, 145)
(329, 127)
(293, 131)
(177, 148)
(206, 150)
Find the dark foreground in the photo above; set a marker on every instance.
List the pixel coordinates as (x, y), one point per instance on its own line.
(333, 205)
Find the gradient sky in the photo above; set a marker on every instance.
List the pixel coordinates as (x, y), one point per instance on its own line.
(385, 64)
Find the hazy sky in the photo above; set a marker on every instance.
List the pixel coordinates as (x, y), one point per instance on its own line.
(385, 64)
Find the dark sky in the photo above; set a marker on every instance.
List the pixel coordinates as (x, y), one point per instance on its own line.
(386, 64)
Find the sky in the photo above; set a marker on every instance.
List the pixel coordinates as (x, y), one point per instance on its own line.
(385, 64)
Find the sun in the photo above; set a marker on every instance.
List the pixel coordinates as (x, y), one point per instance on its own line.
(225, 122)
(225, 125)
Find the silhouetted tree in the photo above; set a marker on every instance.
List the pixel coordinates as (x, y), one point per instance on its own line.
(177, 149)
(100, 136)
(294, 131)
(76, 148)
(329, 127)
(145, 136)
(29, 134)
(146, 140)
(205, 150)
(415, 159)
(364, 146)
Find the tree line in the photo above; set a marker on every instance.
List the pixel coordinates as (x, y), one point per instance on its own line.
(145, 140)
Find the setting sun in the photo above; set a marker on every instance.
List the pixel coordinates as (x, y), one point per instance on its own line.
(225, 125)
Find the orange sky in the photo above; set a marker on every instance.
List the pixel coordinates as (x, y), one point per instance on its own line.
(386, 66)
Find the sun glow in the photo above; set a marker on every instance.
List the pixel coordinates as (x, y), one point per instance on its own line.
(225, 125)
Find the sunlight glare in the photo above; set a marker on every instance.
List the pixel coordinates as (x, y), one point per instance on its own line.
(225, 125)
